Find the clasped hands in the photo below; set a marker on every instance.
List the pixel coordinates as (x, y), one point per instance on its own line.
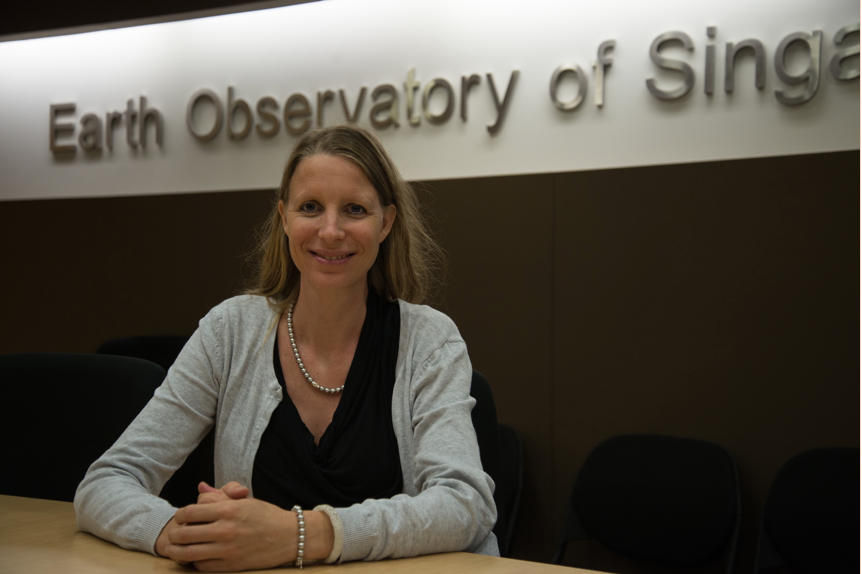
(226, 531)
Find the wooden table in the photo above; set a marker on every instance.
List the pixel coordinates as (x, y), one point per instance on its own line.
(40, 537)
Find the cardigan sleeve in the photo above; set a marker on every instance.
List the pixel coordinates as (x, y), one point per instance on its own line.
(453, 507)
(118, 498)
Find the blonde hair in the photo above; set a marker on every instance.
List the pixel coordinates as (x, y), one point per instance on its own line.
(409, 261)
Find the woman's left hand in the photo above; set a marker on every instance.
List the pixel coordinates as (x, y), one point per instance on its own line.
(231, 535)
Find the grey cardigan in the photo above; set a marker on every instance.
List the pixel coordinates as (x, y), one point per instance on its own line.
(224, 377)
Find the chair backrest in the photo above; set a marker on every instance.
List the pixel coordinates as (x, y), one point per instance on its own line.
(663, 499)
(161, 350)
(181, 489)
(60, 412)
(811, 515)
(510, 482)
(485, 423)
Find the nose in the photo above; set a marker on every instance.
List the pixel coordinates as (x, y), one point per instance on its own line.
(331, 228)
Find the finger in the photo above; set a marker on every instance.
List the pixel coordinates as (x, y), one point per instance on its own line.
(196, 534)
(210, 497)
(235, 490)
(204, 488)
(200, 513)
(194, 552)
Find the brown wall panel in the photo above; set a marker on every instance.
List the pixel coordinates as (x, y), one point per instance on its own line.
(48, 274)
(498, 233)
(716, 301)
(81, 271)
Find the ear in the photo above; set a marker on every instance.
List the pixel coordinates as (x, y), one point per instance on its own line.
(282, 212)
(389, 214)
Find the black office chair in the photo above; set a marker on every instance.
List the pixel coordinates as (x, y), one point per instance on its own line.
(65, 410)
(60, 412)
(811, 515)
(181, 489)
(664, 500)
(503, 461)
(484, 417)
(510, 482)
(161, 350)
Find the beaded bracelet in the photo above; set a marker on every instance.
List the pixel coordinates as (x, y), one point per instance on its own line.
(301, 549)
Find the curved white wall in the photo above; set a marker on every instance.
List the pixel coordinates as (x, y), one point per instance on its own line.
(350, 44)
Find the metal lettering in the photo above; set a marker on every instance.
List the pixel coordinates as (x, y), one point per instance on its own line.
(673, 65)
(731, 50)
(810, 77)
(111, 118)
(709, 68)
(57, 128)
(190, 118)
(352, 118)
(90, 138)
(466, 84)
(322, 98)
(410, 87)
(153, 114)
(303, 111)
(131, 115)
(388, 105)
(450, 101)
(582, 86)
(232, 107)
(267, 109)
(602, 61)
(502, 108)
(835, 64)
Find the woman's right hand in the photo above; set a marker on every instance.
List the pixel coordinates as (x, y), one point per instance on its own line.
(164, 539)
(206, 494)
(229, 531)
(231, 535)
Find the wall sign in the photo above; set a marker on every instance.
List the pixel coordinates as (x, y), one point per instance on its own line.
(473, 89)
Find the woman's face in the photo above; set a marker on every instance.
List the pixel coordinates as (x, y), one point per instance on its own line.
(335, 223)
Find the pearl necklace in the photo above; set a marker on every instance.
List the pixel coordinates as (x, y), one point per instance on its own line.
(299, 361)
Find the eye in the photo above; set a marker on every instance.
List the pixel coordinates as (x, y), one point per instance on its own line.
(308, 207)
(354, 209)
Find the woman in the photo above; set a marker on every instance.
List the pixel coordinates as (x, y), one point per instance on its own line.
(340, 405)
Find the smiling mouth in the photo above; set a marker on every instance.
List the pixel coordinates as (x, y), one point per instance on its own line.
(333, 258)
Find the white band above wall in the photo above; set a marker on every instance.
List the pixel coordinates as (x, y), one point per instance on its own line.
(455, 88)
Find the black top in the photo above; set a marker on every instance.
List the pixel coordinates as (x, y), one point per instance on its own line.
(357, 457)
